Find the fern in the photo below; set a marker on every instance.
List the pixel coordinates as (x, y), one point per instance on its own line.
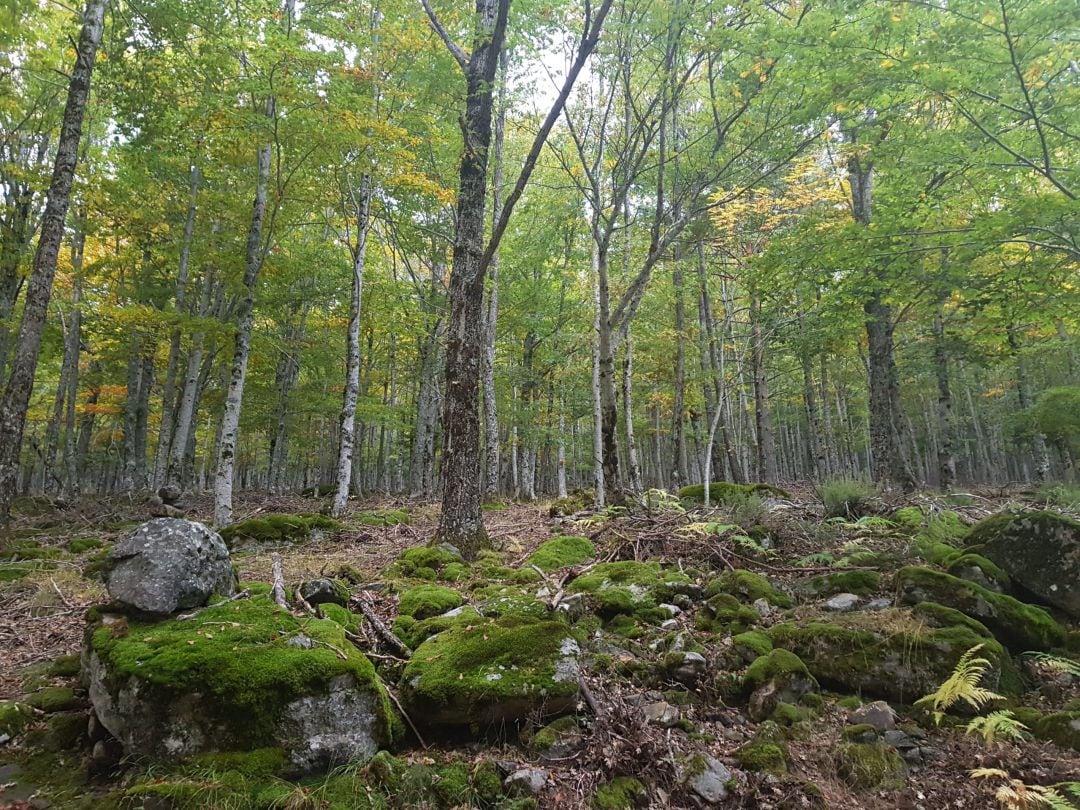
(1055, 664)
(998, 726)
(1014, 794)
(818, 558)
(709, 528)
(963, 685)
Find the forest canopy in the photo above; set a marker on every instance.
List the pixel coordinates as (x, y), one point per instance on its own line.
(523, 249)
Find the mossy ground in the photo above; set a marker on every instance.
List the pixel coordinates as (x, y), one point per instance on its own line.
(277, 528)
(725, 492)
(425, 601)
(560, 552)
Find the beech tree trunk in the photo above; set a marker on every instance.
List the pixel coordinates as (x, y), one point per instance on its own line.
(461, 521)
(20, 383)
(352, 357)
(766, 443)
(168, 395)
(245, 318)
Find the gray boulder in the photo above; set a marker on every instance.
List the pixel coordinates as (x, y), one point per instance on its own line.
(169, 564)
(710, 783)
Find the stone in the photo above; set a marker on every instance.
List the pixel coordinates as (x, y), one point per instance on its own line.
(777, 677)
(1040, 551)
(878, 714)
(669, 624)
(324, 591)
(526, 781)
(574, 606)
(661, 713)
(843, 603)
(240, 676)
(878, 603)
(685, 667)
(763, 607)
(492, 672)
(710, 784)
(168, 564)
(170, 494)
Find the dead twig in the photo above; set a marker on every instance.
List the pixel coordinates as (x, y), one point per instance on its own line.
(277, 590)
(361, 601)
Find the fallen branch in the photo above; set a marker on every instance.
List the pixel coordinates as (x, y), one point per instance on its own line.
(384, 632)
(590, 700)
(277, 590)
(244, 594)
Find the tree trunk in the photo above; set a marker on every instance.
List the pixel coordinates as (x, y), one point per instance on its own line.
(946, 456)
(678, 408)
(167, 427)
(16, 398)
(352, 358)
(766, 443)
(628, 417)
(230, 420)
(1023, 394)
(461, 521)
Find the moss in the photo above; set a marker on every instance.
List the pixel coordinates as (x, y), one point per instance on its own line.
(936, 552)
(788, 714)
(560, 552)
(1027, 715)
(496, 601)
(1062, 728)
(724, 613)
(849, 702)
(937, 615)
(487, 782)
(454, 572)
(490, 671)
(629, 588)
(13, 572)
(64, 666)
(910, 517)
(14, 717)
(752, 644)
(433, 558)
(276, 528)
(384, 517)
(262, 762)
(749, 587)
(1018, 625)
(777, 665)
(889, 654)
(725, 492)
(862, 583)
(84, 544)
(494, 506)
(575, 502)
(54, 699)
(525, 576)
(414, 632)
(764, 756)
(980, 570)
(336, 613)
(553, 732)
(236, 653)
(425, 601)
(853, 732)
(621, 793)
(864, 766)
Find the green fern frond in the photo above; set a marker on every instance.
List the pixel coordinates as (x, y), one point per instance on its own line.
(711, 528)
(962, 685)
(1057, 664)
(998, 726)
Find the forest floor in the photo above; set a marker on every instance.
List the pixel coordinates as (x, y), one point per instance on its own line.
(42, 618)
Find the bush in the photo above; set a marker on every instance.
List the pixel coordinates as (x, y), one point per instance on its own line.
(1061, 494)
(847, 497)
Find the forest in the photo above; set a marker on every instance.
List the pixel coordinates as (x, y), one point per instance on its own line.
(465, 300)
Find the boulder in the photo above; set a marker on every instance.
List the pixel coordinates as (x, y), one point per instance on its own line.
(1019, 626)
(168, 564)
(774, 678)
(843, 603)
(324, 591)
(889, 654)
(878, 714)
(708, 779)
(1040, 551)
(232, 680)
(491, 672)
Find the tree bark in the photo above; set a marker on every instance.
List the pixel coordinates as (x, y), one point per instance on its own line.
(16, 398)
(461, 521)
(946, 456)
(167, 427)
(230, 420)
(766, 442)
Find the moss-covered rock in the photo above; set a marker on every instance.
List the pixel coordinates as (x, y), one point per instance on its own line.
(889, 654)
(558, 739)
(84, 544)
(752, 644)
(865, 766)
(1062, 728)
(492, 672)
(276, 529)
(1017, 625)
(55, 699)
(560, 552)
(778, 677)
(428, 562)
(14, 717)
(384, 517)
(723, 613)
(414, 632)
(862, 583)
(1039, 550)
(978, 569)
(241, 675)
(764, 755)
(936, 615)
(425, 601)
(628, 588)
(725, 492)
(748, 587)
(576, 501)
(621, 793)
